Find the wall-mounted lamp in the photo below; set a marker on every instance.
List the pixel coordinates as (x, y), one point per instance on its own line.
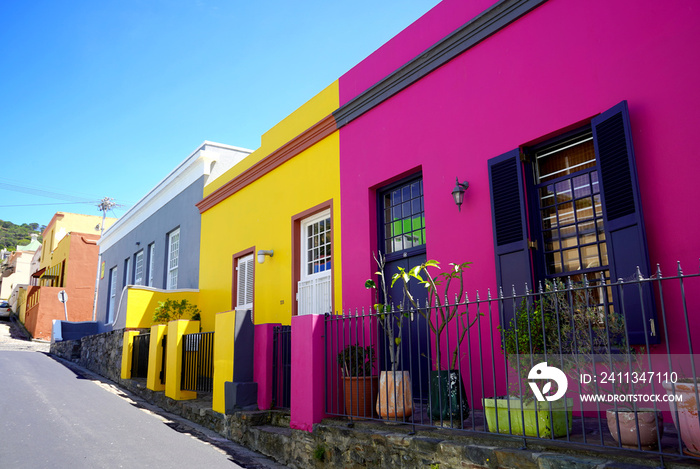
(262, 253)
(458, 193)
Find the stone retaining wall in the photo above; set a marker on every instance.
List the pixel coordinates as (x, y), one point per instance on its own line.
(101, 353)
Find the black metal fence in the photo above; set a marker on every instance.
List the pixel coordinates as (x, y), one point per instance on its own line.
(164, 361)
(282, 367)
(139, 357)
(198, 362)
(588, 362)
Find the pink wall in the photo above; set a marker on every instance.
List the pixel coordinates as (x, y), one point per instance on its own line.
(559, 65)
(307, 388)
(518, 86)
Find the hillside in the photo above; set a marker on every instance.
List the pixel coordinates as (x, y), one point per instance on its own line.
(12, 235)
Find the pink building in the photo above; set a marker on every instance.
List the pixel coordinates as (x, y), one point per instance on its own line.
(572, 123)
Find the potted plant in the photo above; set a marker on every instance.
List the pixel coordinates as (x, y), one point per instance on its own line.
(448, 398)
(395, 399)
(359, 384)
(684, 411)
(602, 350)
(532, 331)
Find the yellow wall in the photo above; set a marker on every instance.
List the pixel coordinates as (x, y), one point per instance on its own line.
(142, 302)
(22, 303)
(173, 371)
(155, 358)
(223, 358)
(260, 216)
(127, 353)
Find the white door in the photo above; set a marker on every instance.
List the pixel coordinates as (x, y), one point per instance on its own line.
(315, 285)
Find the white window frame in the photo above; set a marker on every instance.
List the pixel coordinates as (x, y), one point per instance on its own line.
(113, 272)
(138, 268)
(173, 258)
(326, 214)
(127, 271)
(245, 281)
(151, 263)
(314, 290)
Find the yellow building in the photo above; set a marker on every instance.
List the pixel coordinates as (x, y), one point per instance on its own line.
(270, 244)
(270, 225)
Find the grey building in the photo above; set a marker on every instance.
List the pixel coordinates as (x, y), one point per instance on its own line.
(155, 245)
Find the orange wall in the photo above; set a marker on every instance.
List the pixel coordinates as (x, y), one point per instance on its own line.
(39, 318)
(81, 268)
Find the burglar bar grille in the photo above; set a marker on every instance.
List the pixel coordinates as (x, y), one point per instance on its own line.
(198, 362)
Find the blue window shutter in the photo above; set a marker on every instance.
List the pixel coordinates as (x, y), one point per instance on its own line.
(624, 224)
(513, 267)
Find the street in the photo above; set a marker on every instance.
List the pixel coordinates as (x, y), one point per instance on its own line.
(51, 416)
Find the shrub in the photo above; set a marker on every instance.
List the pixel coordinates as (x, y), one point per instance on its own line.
(170, 310)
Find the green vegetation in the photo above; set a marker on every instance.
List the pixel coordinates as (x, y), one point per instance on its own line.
(12, 235)
(170, 310)
(320, 452)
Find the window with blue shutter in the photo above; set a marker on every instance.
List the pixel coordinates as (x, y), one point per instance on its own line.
(585, 216)
(513, 267)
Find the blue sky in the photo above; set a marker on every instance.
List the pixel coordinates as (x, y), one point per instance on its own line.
(104, 98)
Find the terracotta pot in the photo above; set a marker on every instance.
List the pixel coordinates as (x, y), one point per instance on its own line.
(687, 422)
(643, 423)
(360, 395)
(395, 397)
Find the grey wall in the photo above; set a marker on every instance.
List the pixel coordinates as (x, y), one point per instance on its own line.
(180, 212)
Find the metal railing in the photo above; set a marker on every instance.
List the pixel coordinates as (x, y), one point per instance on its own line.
(198, 362)
(499, 363)
(139, 357)
(281, 366)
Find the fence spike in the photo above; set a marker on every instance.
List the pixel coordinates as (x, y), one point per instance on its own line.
(639, 274)
(658, 270)
(539, 288)
(585, 282)
(680, 270)
(514, 293)
(500, 292)
(488, 292)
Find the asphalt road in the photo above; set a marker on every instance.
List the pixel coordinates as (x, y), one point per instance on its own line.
(53, 417)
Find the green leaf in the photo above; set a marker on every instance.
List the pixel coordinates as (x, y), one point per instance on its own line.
(370, 284)
(432, 263)
(397, 340)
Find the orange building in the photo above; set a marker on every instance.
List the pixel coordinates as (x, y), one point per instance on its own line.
(73, 269)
